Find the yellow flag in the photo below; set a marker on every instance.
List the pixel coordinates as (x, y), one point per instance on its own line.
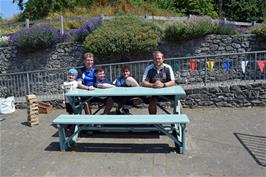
(210, 65)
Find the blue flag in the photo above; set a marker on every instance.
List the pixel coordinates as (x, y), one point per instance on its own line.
(226, 65)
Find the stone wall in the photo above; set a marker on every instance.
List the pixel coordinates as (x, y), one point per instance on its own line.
(70, 54)
(224, 94)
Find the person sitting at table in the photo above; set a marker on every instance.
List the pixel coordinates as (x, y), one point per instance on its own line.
(68, 86)
(87, 80)
(126, 80)
(103, 83)
(157, 75)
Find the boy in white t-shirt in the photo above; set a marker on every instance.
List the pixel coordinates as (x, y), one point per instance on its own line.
(70, 85)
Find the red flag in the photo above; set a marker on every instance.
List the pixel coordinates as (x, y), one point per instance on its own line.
(193, 65)
(261, 64)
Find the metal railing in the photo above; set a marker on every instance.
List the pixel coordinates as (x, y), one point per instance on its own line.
(189, 71)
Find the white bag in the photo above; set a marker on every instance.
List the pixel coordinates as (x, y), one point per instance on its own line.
(7, 105)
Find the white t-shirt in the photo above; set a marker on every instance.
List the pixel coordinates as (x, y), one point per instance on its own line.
(69, 86)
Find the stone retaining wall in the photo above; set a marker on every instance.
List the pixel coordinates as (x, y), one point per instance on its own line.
(226, 94)
(70, 54)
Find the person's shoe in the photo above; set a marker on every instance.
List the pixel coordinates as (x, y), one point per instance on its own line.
(125, 111)
(136, 101)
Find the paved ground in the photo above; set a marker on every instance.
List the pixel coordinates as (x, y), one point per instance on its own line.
(221, 142)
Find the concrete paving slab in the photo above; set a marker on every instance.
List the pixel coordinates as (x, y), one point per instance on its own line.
(221, 142)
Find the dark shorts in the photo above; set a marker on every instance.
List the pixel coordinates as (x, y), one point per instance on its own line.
(95, 99)
(69, 108)
(128, 100)
(159, 99)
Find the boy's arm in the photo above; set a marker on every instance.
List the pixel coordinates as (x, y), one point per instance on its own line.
(80, 85)
(131, 82)
(104, 85)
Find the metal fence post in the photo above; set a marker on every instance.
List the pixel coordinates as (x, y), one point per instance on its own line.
(110, 72)
(28, 83)
(27, 23)
(255, 66)
(61, 25)
(206, 67)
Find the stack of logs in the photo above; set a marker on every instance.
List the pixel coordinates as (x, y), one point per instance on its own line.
(33, 110)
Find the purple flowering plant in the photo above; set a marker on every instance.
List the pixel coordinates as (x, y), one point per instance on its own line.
(36, 37)
(81, 33)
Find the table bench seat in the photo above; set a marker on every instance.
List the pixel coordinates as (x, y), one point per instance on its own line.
(176, 132)
(122, 119)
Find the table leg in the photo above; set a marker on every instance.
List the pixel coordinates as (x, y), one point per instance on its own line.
(62, 137)
(183, 138)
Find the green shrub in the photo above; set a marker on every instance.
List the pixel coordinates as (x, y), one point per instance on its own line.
(4, 40)
(225, 30)
(123, 36)
(260, 31)
(194, 28)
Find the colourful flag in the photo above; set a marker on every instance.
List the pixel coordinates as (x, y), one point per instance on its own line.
(176, 66)
(210, 65)
(244, 65)
(193, 65)
(226, 65)
(261, 64)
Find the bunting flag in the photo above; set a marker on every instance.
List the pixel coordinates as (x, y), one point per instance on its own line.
(226, 65)
(210, 65)
(176, 66)
(193, 65)
(261, 64)
(244, 65)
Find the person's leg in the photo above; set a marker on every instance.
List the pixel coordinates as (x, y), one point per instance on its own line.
(108, 105)
(86, 107)
(152, 105)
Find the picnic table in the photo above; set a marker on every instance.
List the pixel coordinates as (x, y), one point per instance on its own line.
(172, 124)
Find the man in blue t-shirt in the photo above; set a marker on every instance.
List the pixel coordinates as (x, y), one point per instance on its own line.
(87, 79)
(86, 76)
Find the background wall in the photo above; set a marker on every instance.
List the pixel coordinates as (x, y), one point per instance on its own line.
(70, 54)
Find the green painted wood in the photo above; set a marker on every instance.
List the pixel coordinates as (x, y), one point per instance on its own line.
(122, 119)
(129, 91)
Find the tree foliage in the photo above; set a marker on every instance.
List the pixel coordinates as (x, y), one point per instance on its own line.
(243, 10)
(237, 10)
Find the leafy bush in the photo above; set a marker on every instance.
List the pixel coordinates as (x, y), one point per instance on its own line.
(4, 41)
(123, 36)
(193, 28)
(37, 37)
(260, 31)
(225, 30)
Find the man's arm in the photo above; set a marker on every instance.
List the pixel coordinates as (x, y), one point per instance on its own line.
(147, 84)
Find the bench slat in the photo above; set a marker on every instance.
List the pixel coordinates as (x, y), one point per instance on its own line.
(121, 119)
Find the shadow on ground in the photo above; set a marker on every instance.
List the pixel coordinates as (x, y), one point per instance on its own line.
(115, 148)
(255, 145)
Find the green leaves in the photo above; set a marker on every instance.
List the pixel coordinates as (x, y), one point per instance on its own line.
(260, 31)
(122, 36)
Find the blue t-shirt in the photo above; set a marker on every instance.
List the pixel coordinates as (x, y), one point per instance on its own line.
(87, 77)
(120, 82)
